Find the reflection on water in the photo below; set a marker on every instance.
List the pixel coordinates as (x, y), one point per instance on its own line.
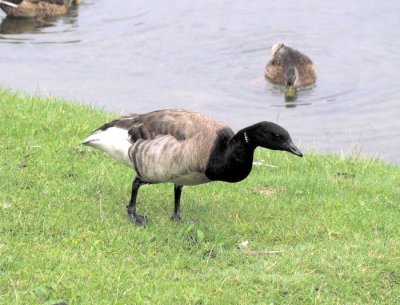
(20, 26)
(301, 97)
(210, 56)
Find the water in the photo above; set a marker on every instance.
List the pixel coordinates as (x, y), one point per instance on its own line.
(138, 56)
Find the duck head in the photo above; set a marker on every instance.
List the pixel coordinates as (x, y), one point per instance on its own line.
(291, 79)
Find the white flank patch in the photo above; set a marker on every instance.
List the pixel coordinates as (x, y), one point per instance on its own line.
(114, 141)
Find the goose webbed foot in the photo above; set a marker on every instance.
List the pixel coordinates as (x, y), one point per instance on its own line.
(131, 208)
(176, 217)
(140, 220)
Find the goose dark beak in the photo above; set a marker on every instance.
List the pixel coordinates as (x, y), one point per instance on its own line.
(294, 150)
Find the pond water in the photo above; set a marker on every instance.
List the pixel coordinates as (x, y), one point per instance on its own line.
(137, 56)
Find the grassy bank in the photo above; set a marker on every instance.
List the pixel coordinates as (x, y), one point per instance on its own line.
(64, 232)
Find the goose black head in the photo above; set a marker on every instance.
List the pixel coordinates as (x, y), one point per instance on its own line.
(272, 136)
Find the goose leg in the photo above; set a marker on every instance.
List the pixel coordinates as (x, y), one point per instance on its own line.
(177, 207)
(131, 208)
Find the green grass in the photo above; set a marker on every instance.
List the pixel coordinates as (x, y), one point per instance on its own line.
(64, 232)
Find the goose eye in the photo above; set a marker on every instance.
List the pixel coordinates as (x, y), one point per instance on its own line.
(277, 136)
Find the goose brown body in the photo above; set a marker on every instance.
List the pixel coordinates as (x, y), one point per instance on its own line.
(170, 145)
(284, 58)
(37, 8)
(185, 148)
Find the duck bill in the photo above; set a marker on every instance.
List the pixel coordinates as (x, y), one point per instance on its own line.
(290, 93)
(294, 150)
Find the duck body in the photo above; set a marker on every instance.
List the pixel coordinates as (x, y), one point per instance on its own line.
(185, 148)
(290, 67)
(36, 8)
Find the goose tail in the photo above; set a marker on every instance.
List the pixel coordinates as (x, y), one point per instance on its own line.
(114, 141)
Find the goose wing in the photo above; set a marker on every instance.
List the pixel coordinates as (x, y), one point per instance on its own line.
(178, 123)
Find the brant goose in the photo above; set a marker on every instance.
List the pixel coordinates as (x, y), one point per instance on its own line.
(185, 148)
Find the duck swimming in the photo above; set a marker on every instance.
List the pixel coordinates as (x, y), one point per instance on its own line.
(36, 8)
(291, 68)
(184, 148)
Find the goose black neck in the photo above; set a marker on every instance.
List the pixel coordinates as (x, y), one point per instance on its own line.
(231, 158)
